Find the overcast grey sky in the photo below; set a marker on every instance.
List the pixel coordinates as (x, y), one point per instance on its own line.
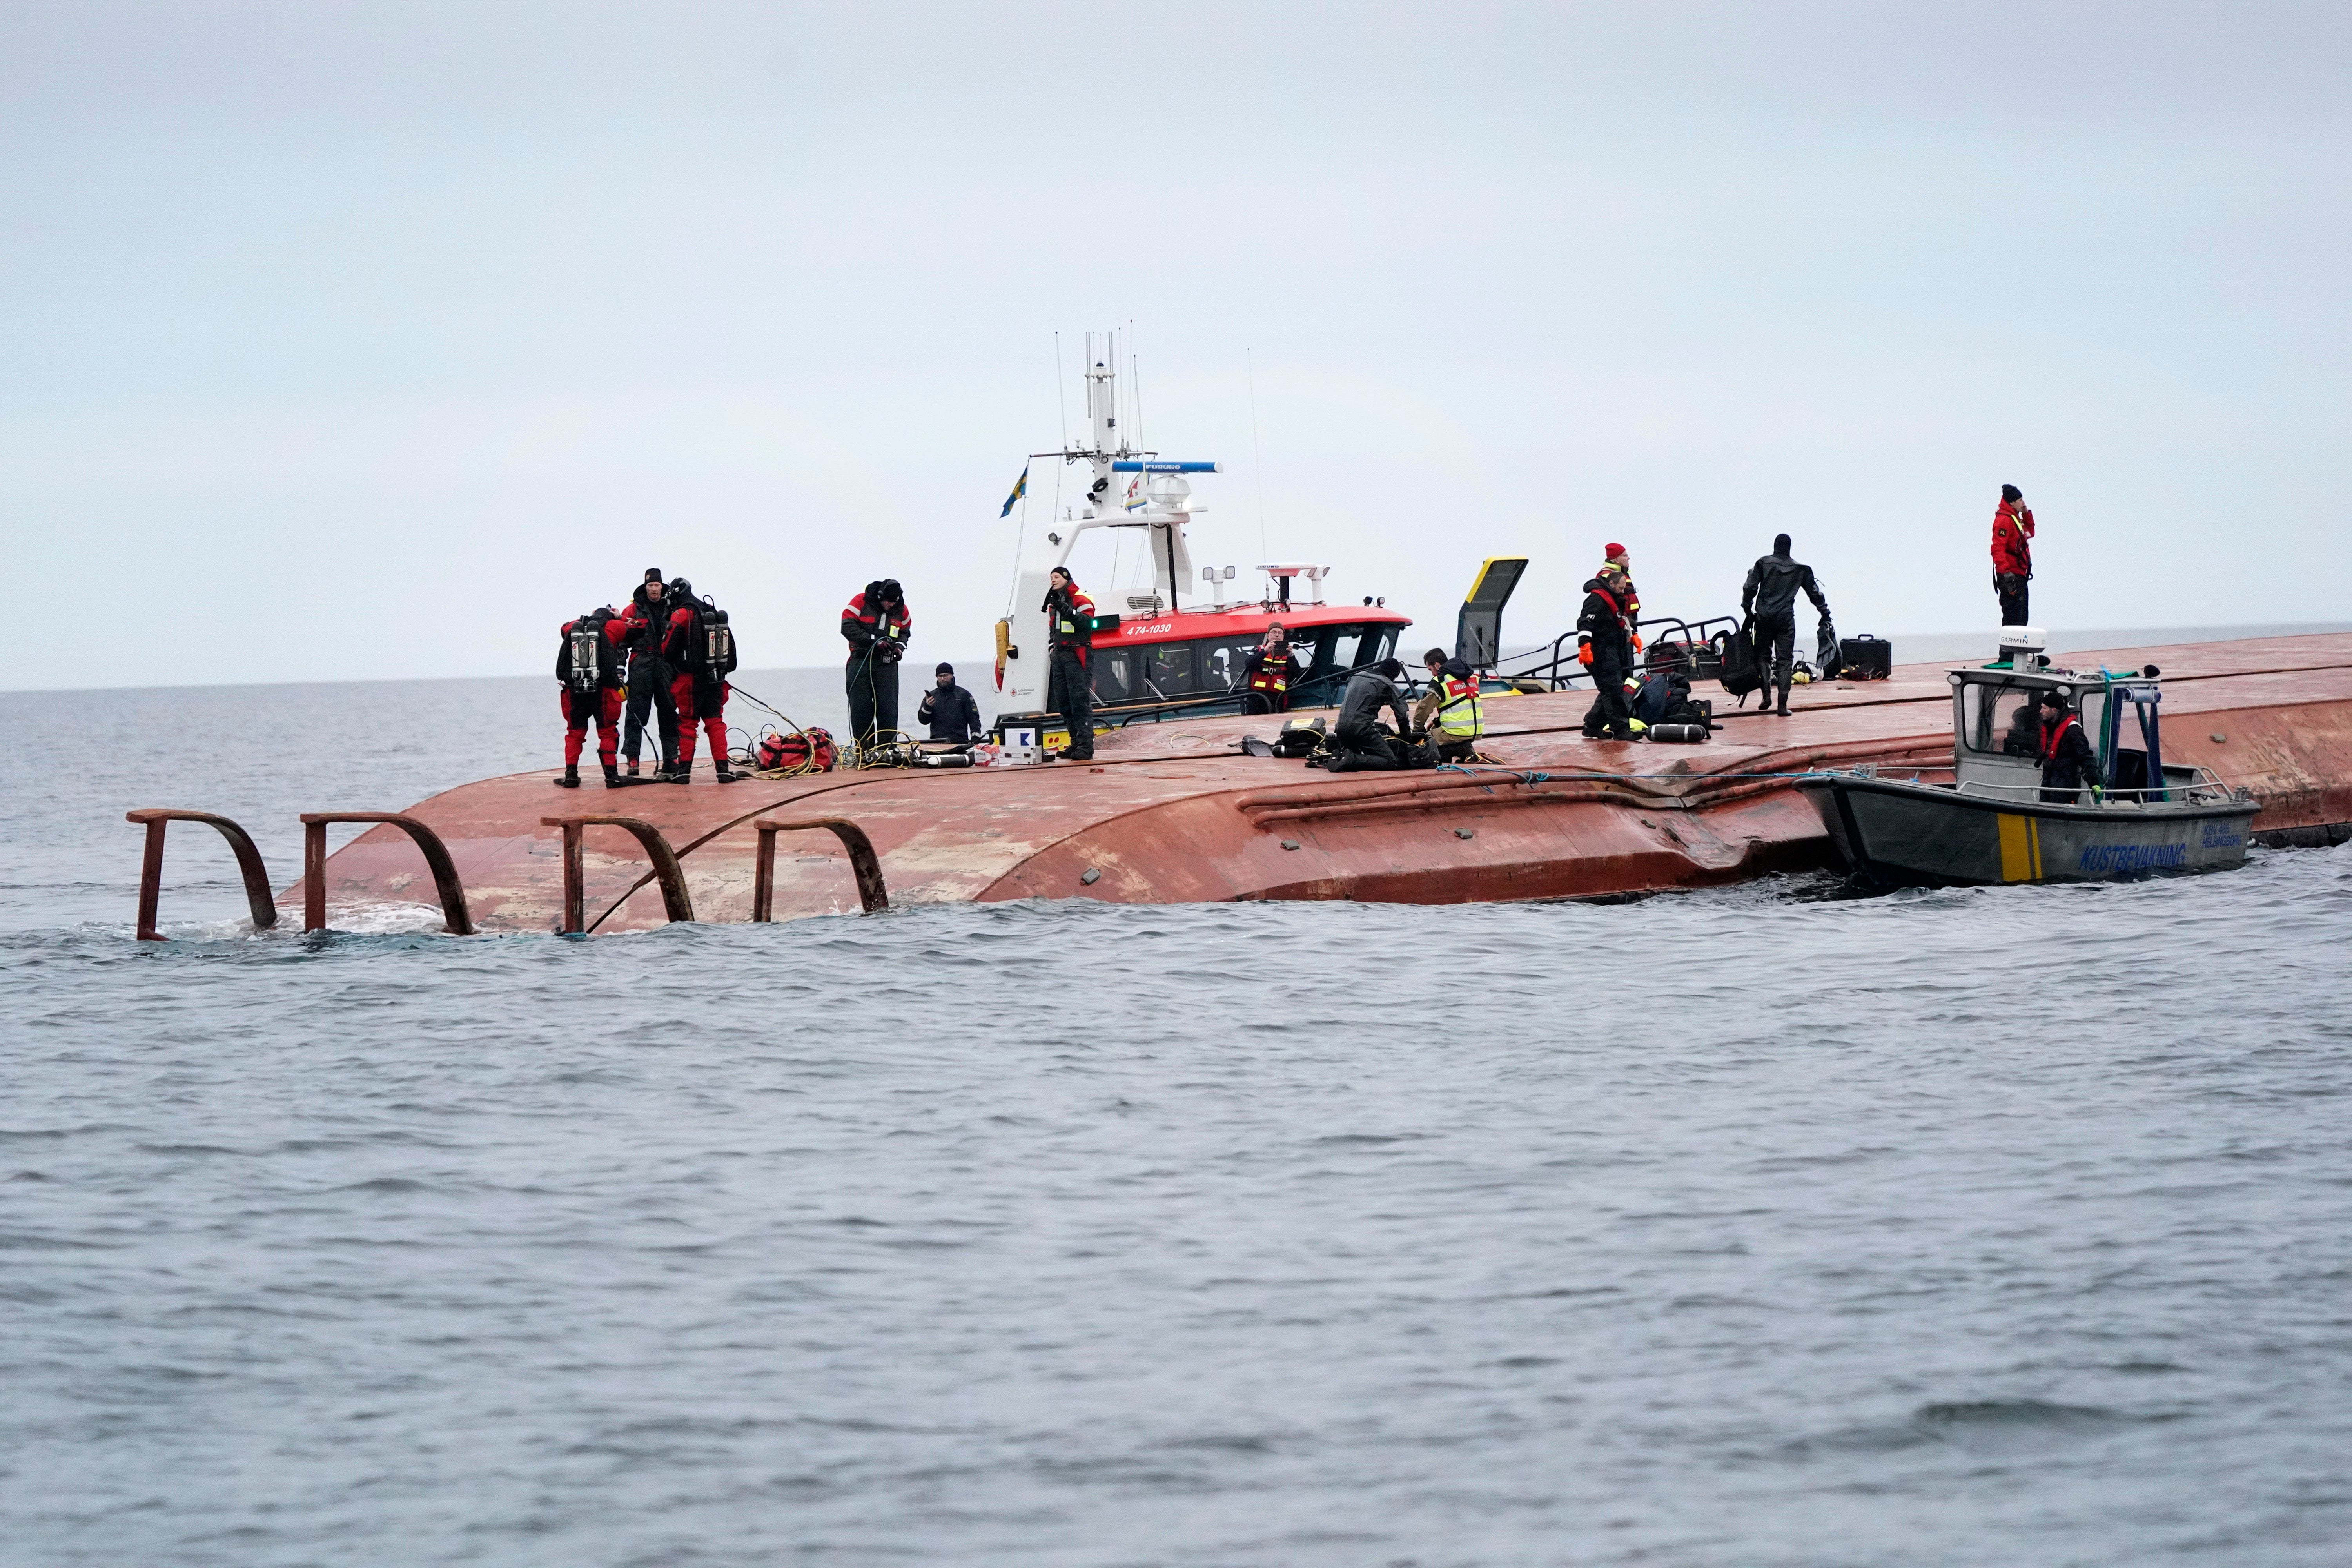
(372, 341)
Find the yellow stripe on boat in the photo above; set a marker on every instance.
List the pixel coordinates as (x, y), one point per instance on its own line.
(2020, 857)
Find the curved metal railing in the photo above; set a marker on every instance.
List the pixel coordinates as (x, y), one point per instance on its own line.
(156, 819)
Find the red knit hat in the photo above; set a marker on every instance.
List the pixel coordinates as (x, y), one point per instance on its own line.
(1613, 552)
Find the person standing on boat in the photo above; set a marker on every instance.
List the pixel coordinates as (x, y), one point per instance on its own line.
(1069, 684)
(703, 660)
(1601, 634)
(2012, 554)
(876, 626)
(1267, 676)
(650, 676)
(588, 669)
(1450, 711)
(1770, 599)
(2067, 761)
(949, 710)
(1617, 555)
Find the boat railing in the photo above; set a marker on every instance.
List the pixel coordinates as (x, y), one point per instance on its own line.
(1120, 715)
(676, 903)
(1557, 665)
(1554, 672)
(1694, 637)
(2204, 787)
(156, 819)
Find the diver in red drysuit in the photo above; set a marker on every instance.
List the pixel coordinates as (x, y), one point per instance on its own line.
(701, 647)
(592, 692)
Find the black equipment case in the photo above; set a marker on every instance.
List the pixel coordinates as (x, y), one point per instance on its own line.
(1865, 657)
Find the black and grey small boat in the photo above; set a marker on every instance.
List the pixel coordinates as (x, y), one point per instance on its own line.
(1995, 823)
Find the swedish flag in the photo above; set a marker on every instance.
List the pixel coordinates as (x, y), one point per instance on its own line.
(1020, 488)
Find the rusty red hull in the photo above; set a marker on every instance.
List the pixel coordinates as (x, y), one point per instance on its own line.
(1172, 812)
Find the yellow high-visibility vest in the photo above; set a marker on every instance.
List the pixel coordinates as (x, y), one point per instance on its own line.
(1460, 715)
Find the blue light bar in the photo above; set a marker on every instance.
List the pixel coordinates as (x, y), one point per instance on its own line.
(1167, 467)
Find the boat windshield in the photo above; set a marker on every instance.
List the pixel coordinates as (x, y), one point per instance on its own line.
(1338, 649)
(2001, 719)
(1169, 669)
(1116, 673)
(1221, 663)
(1212, 666)
(2094, 710)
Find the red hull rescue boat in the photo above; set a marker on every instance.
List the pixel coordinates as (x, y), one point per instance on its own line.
(1154, 656)
(1172, 812)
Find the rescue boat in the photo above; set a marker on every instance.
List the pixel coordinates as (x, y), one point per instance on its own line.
(1155, 656)
(1994, 821)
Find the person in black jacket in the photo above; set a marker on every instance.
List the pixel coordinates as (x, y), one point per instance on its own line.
(877, 624)
(1771, 598)
(2067, 761)
(949, 710)
(1070, 616)
(651, 679)
(2025, 737)
(1601, 626)
(1358, 739)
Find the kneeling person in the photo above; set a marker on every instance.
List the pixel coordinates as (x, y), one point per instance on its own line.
(1450, 711)
(1362, 747)
(588, 670)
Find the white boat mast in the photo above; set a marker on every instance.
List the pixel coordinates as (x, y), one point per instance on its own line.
(1127, 489)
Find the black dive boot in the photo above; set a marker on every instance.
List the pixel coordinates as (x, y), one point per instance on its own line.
(570, 779)
(632, 767)
(611, 776)
(724, 773)
(679, 773)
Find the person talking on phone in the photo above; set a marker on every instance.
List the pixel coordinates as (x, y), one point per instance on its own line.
(1069, 637)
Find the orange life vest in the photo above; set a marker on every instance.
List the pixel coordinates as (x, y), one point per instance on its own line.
(1272, 673)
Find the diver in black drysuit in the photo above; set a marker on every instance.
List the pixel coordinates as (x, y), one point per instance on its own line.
(1769, 597)
(1360, 746)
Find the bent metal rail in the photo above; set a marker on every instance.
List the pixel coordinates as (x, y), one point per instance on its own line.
(457, 920)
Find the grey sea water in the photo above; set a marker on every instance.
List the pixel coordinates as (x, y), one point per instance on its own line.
(2011, 1226)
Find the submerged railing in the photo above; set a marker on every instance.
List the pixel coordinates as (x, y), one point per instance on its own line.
(157, 819)
(667, 871)
(454, 914)
(872, 896)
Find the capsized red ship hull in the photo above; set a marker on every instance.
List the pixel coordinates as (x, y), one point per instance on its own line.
(1172, 812)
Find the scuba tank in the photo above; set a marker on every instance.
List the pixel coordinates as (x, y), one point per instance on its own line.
(1688, 734)
(718, 640)
(584, 654)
